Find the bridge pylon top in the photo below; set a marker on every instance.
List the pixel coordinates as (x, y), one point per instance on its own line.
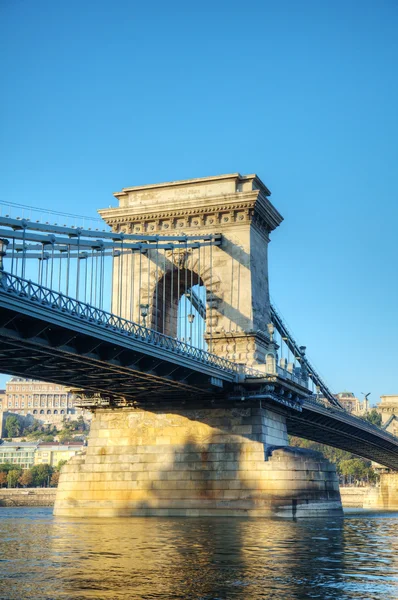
(235, 273)
(190, 204)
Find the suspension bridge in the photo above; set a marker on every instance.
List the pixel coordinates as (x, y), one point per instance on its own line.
(167, 308)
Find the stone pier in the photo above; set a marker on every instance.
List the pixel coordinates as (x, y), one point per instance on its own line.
(385, 495)
(200, 462)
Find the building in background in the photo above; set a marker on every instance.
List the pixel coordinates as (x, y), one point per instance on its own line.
(20, 454)
(51, 453)
(28, 454)
(2, 400)
(388, 408)
(353, 404)
(49, 403)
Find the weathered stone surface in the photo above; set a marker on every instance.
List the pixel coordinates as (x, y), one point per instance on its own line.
(188, 464)
(235, 275)
(385, 496)
(220, 461)
(27, 497)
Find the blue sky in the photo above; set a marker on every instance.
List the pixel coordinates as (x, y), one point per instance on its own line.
(102, 95)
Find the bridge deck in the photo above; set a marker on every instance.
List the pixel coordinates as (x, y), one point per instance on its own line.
(48, 336)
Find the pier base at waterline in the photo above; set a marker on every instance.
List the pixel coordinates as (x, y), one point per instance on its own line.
(385, 496)
(195, 462)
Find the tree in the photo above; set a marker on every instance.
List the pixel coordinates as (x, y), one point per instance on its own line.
(54, 479)
(47, 438)
(12, 478)
(26, 478)
(41, 475)
(355, 468)
(6, 467)
(3, 478)
(13, 426)
(373, 417)
(61, 464)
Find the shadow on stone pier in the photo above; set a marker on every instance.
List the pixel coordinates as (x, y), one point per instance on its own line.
(199, 462)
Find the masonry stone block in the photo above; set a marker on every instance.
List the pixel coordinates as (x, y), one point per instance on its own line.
(200, 469)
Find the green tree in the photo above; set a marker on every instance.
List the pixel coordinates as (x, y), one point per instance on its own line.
(13, 477)
(355, 468)
(54, 479)
(26, 478)
(373, 417)
(13, 426)
(61, 464)
(3, 478)
(6, 467)
(47, 438)
(41, 475)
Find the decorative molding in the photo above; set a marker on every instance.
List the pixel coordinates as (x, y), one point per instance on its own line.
(255, 209)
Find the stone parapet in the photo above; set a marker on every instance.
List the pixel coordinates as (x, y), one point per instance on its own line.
(355, 497)
(27, 497)
(225, 462)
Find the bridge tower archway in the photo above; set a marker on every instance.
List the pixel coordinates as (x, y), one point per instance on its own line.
(235, 272)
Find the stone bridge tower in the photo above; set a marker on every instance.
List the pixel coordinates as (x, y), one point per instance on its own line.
(235, 274)
(229, 455)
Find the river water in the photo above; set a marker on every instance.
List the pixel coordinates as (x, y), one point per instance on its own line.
(48, 558)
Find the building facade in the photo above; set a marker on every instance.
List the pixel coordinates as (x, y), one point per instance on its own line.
(49, 403)
(353, 404)
(388, 408)
(28, 454)
(53, 452)
(20, 454)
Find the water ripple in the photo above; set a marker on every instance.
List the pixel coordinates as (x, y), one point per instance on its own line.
(49, 558)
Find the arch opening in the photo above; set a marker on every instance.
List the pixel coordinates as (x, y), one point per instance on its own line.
(178, 307)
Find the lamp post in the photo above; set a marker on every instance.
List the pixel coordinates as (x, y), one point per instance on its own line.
(144, 312)
(191, 318)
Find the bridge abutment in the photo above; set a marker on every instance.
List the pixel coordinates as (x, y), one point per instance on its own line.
(385, 496)
(195, 462)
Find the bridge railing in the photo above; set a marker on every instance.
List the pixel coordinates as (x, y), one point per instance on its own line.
(349, 417)
(12, 284)
(37, 293)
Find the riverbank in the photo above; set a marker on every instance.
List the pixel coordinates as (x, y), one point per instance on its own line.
(355, 497)
(27, 496)
(351, 497)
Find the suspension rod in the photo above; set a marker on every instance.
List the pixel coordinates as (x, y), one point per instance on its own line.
(299, 354)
